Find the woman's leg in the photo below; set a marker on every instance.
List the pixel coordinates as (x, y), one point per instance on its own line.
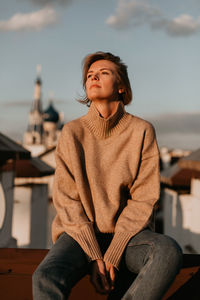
(64, 265)
(156, 259)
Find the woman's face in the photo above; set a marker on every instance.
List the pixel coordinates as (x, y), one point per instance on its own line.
(101, 83)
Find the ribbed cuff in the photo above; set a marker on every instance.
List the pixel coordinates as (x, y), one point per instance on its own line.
(88, 242)
(116, 248)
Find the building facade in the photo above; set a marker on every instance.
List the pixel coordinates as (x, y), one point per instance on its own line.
(44, 126)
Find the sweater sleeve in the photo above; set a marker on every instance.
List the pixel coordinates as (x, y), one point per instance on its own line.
(144, 193)
(71, 217)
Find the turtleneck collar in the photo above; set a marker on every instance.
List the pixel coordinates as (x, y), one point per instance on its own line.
(105, 128)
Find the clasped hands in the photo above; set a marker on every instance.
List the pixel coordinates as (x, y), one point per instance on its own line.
(103, 276)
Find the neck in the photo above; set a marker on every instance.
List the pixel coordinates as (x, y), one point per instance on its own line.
(106, 108)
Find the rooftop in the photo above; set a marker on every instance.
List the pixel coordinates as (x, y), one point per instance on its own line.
(191, 161)
(34, 167)
(9, 149)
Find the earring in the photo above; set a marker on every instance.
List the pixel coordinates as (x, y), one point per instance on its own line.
(121, 91)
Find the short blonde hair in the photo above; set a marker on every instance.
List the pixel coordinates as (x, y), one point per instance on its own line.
(121, 71)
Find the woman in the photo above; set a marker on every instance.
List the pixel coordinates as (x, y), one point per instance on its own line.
(105, 190)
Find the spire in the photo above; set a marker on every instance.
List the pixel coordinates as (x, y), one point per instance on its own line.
(37, 105)
(44, 126)
(35, 126)
(38, 69)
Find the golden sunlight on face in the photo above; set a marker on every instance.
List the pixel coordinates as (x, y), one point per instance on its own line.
(101, 83)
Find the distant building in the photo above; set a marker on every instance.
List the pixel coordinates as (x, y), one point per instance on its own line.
(44, 126)
(169, 157)
(10, 152)
(25, 211)
(180, 196)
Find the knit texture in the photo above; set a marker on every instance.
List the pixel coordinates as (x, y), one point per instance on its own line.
(106, 180)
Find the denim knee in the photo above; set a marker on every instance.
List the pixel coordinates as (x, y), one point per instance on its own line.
(40, 276)
(50, 275)
(48, 283)
(168, 250)
(156, 259)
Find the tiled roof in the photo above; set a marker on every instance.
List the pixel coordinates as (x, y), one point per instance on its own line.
(176, 176)
(191, 161)
(11, 149)
(34, 167)
(181, 173)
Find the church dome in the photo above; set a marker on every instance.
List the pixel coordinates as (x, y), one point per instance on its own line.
(50, 114)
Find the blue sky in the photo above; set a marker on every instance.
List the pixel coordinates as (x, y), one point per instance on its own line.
(158, 40)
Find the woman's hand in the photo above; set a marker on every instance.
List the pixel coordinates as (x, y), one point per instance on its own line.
(111, 274)
(99, 277)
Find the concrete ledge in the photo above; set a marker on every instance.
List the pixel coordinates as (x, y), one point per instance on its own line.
(18, 265)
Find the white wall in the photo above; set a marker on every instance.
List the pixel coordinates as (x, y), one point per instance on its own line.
(182, 217)
(22, 215)
(30, 216)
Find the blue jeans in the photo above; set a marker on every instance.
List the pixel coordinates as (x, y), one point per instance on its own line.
(149, 265)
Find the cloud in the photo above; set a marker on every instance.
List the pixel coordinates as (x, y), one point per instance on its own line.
(177, 130)
(17, 103)
(30, 21)
(45, 2)
(28, 103)
(177, 123)
(133, 13)
(183, 25)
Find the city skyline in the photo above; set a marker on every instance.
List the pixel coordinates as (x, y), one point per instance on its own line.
(158, 41)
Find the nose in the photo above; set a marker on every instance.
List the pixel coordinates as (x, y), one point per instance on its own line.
(95, 76)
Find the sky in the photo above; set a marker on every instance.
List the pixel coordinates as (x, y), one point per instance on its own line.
(158, 40)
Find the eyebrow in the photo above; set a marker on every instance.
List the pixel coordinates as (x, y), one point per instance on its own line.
(91, 71)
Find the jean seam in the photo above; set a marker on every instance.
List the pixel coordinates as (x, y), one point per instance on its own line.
(139, 244)
(133, 287)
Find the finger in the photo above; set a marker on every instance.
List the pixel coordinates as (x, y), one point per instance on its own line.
(96, 281)
(102, 269)
(107, 266)
(101, 288)
(105, 283)
(112, 274)
(102, 276)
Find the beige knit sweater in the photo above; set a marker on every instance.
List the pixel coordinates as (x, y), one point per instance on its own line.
(106, 180)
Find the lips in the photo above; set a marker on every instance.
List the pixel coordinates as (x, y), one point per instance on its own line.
(95, 85)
